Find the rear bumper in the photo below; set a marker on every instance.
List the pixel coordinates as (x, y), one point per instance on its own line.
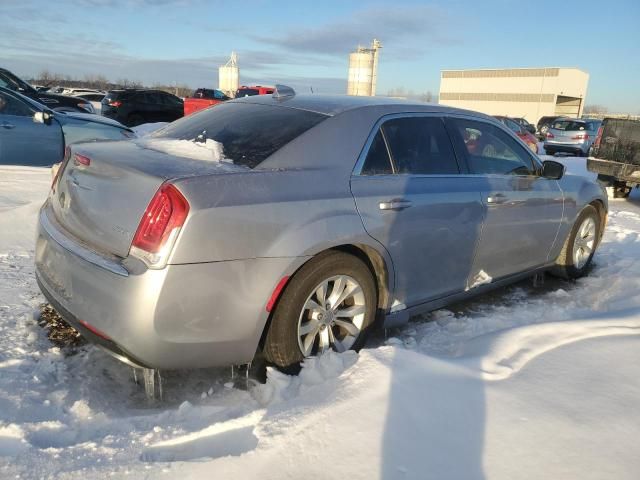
(626, 172)
(183, 316)
(566, 147)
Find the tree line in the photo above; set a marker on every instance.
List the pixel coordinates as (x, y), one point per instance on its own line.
(49, 79)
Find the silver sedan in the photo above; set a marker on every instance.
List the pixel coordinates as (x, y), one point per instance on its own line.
(290, 224)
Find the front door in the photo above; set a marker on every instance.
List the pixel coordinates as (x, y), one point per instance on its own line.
(523, 210)
(23, 141)
(413, 200)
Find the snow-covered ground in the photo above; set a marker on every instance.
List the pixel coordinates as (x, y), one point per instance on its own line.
(521, 383)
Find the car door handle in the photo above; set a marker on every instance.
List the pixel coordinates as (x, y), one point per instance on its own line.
(496, 199)
(7, 125)
(395, 204)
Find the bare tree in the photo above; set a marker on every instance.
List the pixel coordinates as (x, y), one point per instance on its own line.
(595, 109)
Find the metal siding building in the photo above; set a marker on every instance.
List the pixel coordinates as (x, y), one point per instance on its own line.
(516, 92)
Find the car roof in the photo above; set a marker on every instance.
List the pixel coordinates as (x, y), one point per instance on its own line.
(332, 105)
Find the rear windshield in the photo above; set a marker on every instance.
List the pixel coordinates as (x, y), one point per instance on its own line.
(247, 92)
(569, 125)
(248, 133)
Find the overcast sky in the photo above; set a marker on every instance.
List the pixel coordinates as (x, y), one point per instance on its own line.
(306, 44)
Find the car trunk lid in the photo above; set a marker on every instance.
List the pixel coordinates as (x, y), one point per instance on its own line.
(104, 188)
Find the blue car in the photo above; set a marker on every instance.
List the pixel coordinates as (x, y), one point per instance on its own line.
(32, 134)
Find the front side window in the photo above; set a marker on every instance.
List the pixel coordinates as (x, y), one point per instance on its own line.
(10, 105)
(490, 150)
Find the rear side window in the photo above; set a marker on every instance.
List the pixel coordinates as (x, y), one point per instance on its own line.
(420, 145)
(378, 161)
(490, 150)
(249, 133)
(417, 145)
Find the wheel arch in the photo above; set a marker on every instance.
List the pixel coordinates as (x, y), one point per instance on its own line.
(378, 263)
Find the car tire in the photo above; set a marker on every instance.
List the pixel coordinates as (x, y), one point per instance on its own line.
(299, 330)
(135, 119)
(621, 190)
(579, 247)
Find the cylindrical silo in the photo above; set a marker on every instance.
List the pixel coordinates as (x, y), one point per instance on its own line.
(229, 76)
(363, 66)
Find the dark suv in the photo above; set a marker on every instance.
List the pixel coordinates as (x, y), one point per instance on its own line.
(543, 125)
(51, 100)
(136, 106)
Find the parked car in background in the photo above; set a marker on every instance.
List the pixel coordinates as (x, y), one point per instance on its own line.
(135, 106)
(53, 101)
(254, 90)
(615, 155)
(520, 131)
(524, 123)
(543, 125)
(32, 134)
(94, 98)
(571, 135)
(296, 221)
(76, 92)
(203, 98)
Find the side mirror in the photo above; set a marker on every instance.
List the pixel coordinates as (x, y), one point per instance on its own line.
(42, 117)
(552, 170)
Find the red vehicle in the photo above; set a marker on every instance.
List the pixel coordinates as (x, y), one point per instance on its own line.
(203, 98)
(254, 90)
(520, 131)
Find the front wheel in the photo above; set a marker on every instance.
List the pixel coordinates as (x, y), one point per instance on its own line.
(330, 303)
(580, 246)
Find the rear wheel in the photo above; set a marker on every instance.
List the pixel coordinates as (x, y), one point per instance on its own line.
(578, 249)
(328, 305)
(621, 190)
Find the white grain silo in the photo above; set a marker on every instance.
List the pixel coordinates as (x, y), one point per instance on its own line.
(229, 76)
(363, 70)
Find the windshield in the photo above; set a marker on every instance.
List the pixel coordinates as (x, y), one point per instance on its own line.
(10, 81)
(249, 133)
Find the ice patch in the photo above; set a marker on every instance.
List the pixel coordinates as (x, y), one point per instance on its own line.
(481, 278)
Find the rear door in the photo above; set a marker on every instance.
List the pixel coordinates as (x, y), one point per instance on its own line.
(23, 141)
(523, 210)
(413, 200)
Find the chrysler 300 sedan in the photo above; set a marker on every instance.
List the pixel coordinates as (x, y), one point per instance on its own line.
(289, 224)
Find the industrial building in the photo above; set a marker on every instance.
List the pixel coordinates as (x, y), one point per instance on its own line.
(363, 70)
(229, 76)
(517, 92)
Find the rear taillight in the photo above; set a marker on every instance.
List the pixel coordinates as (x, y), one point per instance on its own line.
(115, 103)
(581, 136)
(81, 160)
(160, 226)
(598, 139)
(550, 135)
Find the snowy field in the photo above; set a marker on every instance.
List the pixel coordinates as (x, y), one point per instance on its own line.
(522, 383)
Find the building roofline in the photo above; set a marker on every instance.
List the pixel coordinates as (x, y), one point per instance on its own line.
(509, 68)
